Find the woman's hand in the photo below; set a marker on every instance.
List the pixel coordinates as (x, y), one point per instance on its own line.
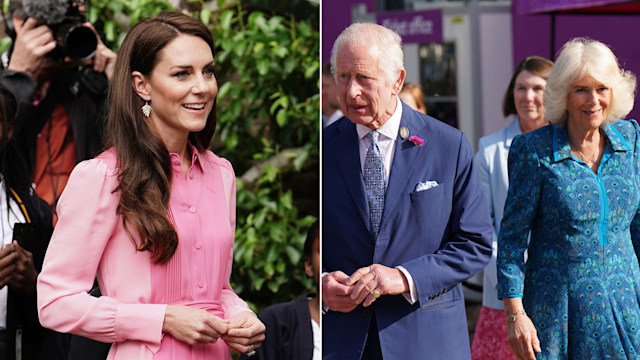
(246, 332)
(193, 326)
(521, 334)
(523, 338)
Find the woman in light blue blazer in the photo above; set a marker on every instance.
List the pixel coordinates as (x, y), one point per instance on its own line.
(523, 98)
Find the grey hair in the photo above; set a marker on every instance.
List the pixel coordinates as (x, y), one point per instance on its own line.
(386, 44)
(580, 57)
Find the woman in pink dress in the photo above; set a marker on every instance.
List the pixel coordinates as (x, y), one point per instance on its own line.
(154, 215)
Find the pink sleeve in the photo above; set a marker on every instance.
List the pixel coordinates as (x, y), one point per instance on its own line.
(87, 220)
(232, 303)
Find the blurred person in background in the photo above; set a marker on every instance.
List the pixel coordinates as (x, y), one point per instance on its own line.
(61, 93)
(330, 104)
(413, 96)
(523, 98)
(573, 205)
(26, 227)
(61, 88)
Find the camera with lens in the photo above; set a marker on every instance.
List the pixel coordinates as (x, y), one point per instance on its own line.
(65, 19)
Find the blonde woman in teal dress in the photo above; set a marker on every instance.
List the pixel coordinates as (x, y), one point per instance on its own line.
(575, 184)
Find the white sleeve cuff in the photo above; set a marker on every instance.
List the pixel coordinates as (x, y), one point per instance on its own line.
(325, 308)
(412, 295)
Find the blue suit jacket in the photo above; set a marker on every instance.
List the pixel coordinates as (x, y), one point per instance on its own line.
(441, 236)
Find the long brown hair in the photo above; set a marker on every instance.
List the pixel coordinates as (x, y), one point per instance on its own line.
(144, 163)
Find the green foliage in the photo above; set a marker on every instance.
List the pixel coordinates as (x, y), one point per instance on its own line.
(268, 258)
(272, 90)
(115, 17)
(5, 44)
(269, 102)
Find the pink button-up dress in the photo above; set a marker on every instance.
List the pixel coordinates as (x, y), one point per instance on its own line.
(90, 239)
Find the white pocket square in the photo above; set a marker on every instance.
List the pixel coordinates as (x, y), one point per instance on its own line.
(426, 185)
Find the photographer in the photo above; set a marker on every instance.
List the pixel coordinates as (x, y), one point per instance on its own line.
(61, 97)
(24, 237)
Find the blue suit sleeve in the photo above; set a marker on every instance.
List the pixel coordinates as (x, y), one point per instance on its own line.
(519, 212)
(468, 247)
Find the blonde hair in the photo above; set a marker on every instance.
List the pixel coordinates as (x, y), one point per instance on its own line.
(580, 57)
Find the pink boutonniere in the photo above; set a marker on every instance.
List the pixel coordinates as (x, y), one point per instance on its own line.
(416, 140)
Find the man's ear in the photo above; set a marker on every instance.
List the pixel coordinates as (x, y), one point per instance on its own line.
(140, 85)
(397, 85)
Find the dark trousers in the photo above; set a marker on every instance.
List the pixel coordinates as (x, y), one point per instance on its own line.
(3, 344)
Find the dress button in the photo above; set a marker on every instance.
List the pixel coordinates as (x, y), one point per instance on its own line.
(191, 176)
(200, 284)
(192, 209)
(198, 246)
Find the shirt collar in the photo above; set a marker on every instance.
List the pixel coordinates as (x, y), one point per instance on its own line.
(195, 156)
(562, 149)
(334, 117)
(389, 129)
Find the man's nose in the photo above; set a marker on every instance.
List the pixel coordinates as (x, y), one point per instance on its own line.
(353, 88)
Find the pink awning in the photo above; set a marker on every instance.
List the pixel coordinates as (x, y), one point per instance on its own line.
(546, 6)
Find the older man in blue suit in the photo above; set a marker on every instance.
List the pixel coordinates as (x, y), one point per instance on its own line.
(404, 217)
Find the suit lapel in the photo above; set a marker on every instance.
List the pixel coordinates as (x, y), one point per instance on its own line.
(405, 160)
(347, 156)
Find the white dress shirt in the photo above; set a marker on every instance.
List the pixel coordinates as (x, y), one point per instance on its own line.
(387, 144)
(332, 118)
(317, 340)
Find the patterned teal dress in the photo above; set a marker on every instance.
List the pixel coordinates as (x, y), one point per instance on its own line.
(581, 283)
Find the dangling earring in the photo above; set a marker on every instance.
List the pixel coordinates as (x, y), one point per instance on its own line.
(146, 109)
